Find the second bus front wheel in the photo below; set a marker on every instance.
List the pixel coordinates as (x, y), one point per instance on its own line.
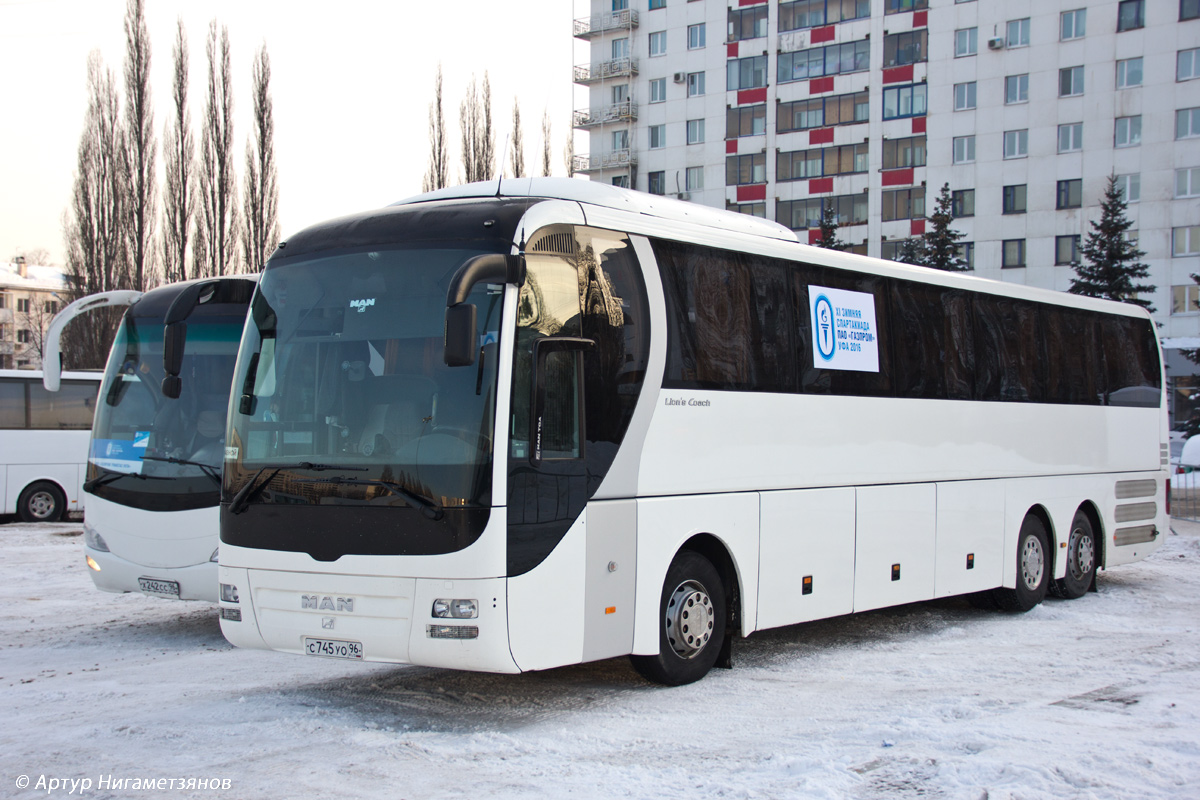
(41, 502)
(691, 623)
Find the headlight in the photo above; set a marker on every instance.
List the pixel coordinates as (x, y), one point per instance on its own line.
(456, 609)
(93, 539)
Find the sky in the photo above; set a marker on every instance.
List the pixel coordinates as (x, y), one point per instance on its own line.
(351, 83)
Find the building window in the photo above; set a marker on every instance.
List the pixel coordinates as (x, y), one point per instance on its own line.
(1185, 241)
(905, 101)
(1070, 194)
(1070, 81)
(620, 140)
(966, 251)
(964, 149)
(1012, 253)
(1131, 14)
(964, 96)
(1187, 123)
(695, 84)
(658, 44)
(1016, 89)
(620, 49)
(1130, 186)
(747, 23)
(746, 121)
(1072, 24)
(1018, 33)
(1014, 199)
(1016, 144)
(658, 182)
(1066, 250)
(904, 204)
(962, 203)
(1127, 131)
(620, 5)
(657, 4)
(695, 131)
(746, 73)
(848, 209)
(814, 13)
(22, 305)
(621, 181)
(1070, 137)
(658, 90)
(1187, 182)
(620, 93)
(1185, 299)
(1189, 9)
(820, 112)
(905, 48)
(1129, 73)
(804, 164)
(900, 6)
(901, 153)
(835, 59)
(749, 209)
(695, 179)
(24, 336)
(696, 37)
(966, 42)
(1187, 64)
(747, 169)
(658, 136)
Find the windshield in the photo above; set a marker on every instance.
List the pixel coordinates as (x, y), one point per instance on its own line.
(342, 396)
(175, 446)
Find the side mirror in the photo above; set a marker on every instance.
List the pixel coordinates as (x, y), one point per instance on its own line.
(461, 339)
(174, 340)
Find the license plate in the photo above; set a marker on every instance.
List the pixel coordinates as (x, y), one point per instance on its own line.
(155, 586)
(332, 648)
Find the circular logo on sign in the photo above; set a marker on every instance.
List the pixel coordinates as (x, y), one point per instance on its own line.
(823, 327)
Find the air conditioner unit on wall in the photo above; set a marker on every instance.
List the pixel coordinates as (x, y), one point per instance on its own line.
(996, 43)
(680, 77)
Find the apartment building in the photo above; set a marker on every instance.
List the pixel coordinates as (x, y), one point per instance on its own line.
(1024, 108)
(30, 296)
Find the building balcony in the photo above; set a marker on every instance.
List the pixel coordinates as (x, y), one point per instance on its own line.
(6, 315)
(595, 25)
(615, 159)
(6, 348)
(617, 68)
(619, 112)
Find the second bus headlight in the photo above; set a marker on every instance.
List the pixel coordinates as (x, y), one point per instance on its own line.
(456, 609)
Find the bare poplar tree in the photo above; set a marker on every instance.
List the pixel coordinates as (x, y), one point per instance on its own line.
(179, 153)
(93, 226)
(546, 143)
(141, 148)
(217, 223)
(438, 176)
(516, 161)
(569, 153)
(261, 231)
(478, 140)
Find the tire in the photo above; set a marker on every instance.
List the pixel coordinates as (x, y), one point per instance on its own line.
(692, 595)
(1033, 569)
(1081, 560)
(41, 502)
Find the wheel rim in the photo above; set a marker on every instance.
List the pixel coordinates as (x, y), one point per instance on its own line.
(689, 619)
(1083, 553)
(1033, 562)
(41, 504)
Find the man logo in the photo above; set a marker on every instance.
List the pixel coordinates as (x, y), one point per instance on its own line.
(321, 603)
(327, 623)
(362, 305)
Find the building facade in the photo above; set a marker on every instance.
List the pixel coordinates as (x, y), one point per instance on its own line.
(30, 296)
(1023, 108)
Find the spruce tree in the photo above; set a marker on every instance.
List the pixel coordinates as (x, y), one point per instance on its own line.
(1111, 263)
(829, 227)
(912, 251)
(941, 241)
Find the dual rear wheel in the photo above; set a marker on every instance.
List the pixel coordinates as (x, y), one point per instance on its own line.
(1034, 565)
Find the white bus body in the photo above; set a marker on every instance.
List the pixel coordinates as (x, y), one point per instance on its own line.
(44, 443)
(154, 460)
(694, 443)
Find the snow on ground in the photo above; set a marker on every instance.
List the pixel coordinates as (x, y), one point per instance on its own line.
(1091, 698)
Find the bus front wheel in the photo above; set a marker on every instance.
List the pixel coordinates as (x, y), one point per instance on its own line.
(691, 623)
(1033, 569)
(41, 502)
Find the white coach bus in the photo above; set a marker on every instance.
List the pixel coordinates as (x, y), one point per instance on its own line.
(508, 427)
(154, 464)
(44, 443)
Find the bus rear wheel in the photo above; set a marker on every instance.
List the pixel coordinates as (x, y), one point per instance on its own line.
(1033, 569)
(1081, 560)
(691, 623)
(41, 502)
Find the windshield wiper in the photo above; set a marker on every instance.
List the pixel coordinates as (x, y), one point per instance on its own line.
(323, 467)
(429, 507)
(112, 475)
(208, 469)
(250, 491)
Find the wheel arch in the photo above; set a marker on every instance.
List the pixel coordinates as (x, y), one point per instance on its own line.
(719, 555)
(1041, 513)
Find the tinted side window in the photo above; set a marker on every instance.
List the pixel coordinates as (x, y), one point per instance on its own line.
(1131, 362)
(1009, 353)
(815, 380)
(1073, 375)
(12, 404)
(70, 408)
